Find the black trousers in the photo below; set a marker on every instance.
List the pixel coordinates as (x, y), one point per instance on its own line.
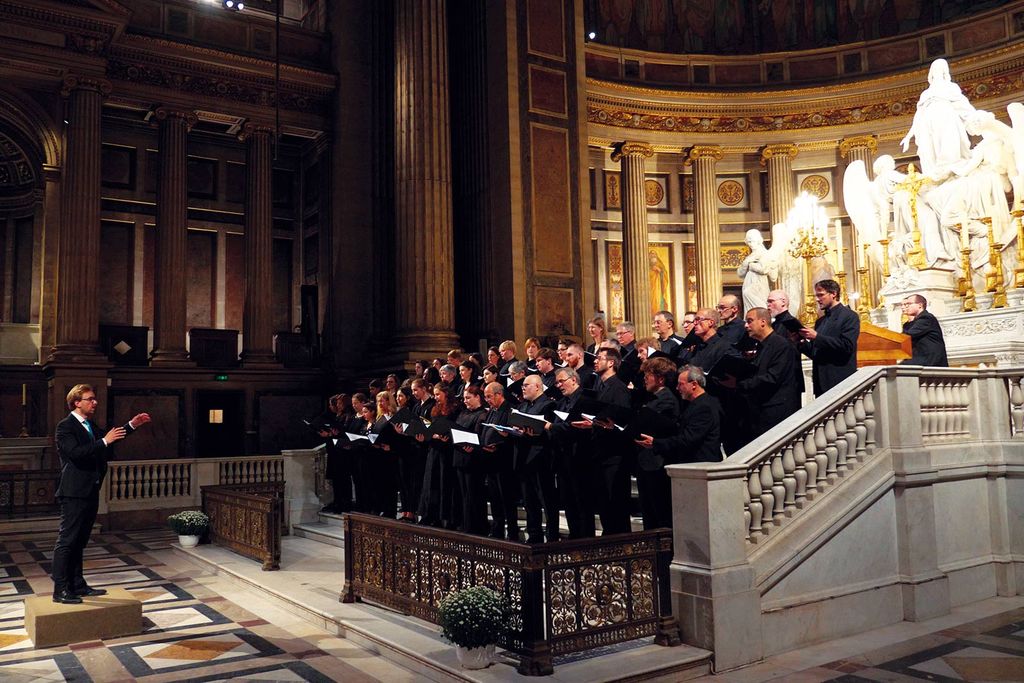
(410, 466)
(611, 492)
(655, 488)
(540, 499)
(77, 515)
(472, 481)
(574, 494)
(503, 491)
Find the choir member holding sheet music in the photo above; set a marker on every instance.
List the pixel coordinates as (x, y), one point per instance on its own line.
(533, 461)
(470, 461)
(502, 483)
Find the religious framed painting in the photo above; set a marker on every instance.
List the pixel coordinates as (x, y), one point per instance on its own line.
(659, 274)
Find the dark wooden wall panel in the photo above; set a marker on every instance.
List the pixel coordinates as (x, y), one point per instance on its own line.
(200, 278)
(117, 245)
(551, 212)
(234, 294)
(282, 288)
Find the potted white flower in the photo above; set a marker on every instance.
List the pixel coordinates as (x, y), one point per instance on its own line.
(189, 525)
(474, 619)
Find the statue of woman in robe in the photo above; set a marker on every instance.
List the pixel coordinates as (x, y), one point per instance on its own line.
(756, 270)
(939, 126)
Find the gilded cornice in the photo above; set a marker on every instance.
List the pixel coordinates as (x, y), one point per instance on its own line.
(632, 149)
(188, 117)
(868, 141)
(218, 75)
(784, 150)
(995, 75)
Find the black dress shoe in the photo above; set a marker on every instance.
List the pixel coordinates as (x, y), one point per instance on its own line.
(89, 592)
(66, 597)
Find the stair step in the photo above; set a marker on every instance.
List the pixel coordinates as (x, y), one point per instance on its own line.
(332, 519)
(323, 533)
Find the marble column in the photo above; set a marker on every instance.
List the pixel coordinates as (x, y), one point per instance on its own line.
(78, 255)
(860, 148)
(425, 311)
(171, 237)
(635, 262)
(779, 160)
(257, 332)
(705, 224)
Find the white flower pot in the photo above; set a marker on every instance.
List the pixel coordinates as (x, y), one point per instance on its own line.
(475, 658)
(188, 541)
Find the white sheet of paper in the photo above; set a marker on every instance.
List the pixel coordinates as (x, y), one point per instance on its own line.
(372, 438)
(335, 441)
(535, 417)
(562, 415)
(587, 417)
(650, 351)
(460, 436)
(355, 437)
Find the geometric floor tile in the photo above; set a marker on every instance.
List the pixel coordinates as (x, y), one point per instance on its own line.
(14, 609)
(192, 652)
(62, 667)
(115, 578)
(149, 595)
(14, 588)
(14, 639)
(173, 618)
(290, 671)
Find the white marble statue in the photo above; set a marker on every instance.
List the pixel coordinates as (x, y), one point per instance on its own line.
(757, 269)
(940, 123)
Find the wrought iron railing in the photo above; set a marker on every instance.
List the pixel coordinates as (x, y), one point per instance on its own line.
(247, 518)
(564, 597)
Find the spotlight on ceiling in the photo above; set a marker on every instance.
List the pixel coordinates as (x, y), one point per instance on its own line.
(592, 35)
(234, 5)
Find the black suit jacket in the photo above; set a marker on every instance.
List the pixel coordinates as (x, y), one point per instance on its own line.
(779, 327)
(83, 457)
(700, 434)
(529, 448)
(834, 350)
(926, 342)
(772, 393)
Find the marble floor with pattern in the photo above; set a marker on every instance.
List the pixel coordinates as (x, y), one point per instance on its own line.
(192, 632)
(196, 630)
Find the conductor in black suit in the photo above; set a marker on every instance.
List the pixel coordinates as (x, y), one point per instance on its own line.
(83, 458)
(927, 346)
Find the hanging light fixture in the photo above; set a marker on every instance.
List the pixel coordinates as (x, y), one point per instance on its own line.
(234, 5)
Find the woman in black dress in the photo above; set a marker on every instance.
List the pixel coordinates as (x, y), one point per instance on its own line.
(469, 462)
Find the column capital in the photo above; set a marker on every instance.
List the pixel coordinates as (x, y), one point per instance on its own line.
(869, 141)
(75, 82)
(164, 113)
(255, 128)
(784, 150)
(703, 152)
(630, 148)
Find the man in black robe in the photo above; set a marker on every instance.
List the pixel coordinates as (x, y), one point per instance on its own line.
(832, 344)
(927, 345)
(533, 466)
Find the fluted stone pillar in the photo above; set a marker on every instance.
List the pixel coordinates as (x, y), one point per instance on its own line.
(779, 160)
(425, 310)
(78, 257)
(171, 237)
(635, 262)
(860, 148)
(705, 224)
(257, 340)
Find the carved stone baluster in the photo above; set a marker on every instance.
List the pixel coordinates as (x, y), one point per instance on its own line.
(811, 465)
(133, 482)
(767, 497)
(831, 448)
(789, 480)
(839, 422)
(754, 503)
(800, 472)
(826, 468)
(117, 483)
(944, 410)
(964, 390)
(869, 420)
(859, 428)
(778, 474)
(927, 408)
(850, 419)
(1017, 405)
(188, 481)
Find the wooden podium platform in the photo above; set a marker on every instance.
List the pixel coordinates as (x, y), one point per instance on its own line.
(881, 346)
(108, 616)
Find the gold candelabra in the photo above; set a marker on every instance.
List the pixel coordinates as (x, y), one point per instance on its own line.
(1018, 273)
(808, 244)
(967, 282)
(994, 283)
(912, 185)
(864, 302)
(885, 257)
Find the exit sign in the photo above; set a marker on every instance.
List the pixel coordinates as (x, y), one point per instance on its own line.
(220, 378)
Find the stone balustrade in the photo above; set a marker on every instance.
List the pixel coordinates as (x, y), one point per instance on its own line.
(889, 497)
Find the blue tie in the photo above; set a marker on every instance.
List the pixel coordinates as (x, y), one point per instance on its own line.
(89, 428)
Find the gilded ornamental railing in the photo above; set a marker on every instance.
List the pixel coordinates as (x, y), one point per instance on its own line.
(247, 518)
(564, 597)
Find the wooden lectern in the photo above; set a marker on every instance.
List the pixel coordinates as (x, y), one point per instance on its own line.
(881, 346)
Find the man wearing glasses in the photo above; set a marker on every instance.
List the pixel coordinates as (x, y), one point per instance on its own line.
(83, 457)
(927, 346)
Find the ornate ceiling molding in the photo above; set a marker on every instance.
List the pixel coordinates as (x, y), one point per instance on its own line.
(87, 30)
(890, 97)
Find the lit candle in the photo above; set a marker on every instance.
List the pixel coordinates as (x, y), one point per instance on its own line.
(839, 246)
(24, 394)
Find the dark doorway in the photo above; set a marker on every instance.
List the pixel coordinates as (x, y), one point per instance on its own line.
(220, 423)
